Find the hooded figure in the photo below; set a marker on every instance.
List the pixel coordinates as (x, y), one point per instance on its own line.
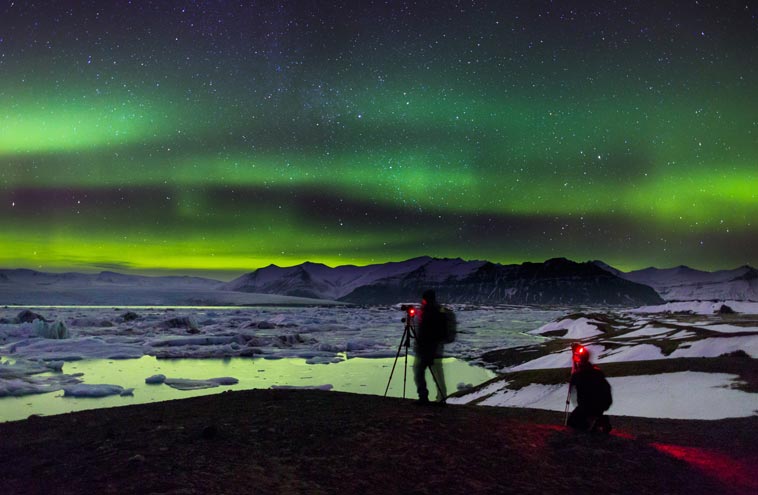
(593, 394)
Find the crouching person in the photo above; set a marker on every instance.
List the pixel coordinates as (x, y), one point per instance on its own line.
(593, 394)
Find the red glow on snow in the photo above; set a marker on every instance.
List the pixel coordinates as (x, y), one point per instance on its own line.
(730, 471)
(623, 434)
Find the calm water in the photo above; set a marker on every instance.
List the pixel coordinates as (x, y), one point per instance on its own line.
(358, 375)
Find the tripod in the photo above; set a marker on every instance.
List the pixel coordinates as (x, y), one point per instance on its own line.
(568, 396)
(409, 331)
(568, 403)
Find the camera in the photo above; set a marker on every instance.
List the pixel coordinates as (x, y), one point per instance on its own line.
(410, 311)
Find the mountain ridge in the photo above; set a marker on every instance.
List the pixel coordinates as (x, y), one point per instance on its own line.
(555, 281)
(683, 283)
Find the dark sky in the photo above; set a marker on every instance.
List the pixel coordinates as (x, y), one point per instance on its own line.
(219, 137)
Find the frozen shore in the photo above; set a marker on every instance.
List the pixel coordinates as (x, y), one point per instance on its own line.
(48, 349)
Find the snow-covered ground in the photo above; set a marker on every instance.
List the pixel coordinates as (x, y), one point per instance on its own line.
(685, 395)
(699, 307)
(646, 334)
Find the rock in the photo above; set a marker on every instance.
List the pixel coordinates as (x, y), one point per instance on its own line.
(129, 316)
(209, 432)
(137, 459)
(725, 310)
(27, 316)
(739, 353)
(181, 322)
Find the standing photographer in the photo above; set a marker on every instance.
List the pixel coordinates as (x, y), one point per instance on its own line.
(428, 347)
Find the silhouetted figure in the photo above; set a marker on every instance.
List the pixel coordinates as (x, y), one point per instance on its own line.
(429, 347)
(593, 394)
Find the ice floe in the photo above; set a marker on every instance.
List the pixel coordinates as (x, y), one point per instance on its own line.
(95, 391)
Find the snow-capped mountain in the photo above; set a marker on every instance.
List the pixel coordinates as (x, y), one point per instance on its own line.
(683, 283)
(321, 281)
(556, 281)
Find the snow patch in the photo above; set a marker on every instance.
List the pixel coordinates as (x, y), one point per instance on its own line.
(642, 352)
(647, 331)
(730, 328)
(717, 346)
(668, 395)
(581, 328)
(698, 307)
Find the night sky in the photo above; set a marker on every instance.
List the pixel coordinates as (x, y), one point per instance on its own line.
(216, 137)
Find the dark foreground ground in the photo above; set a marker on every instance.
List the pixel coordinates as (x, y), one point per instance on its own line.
(302, 441)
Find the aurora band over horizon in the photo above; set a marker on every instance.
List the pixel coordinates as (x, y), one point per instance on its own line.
(216, 138)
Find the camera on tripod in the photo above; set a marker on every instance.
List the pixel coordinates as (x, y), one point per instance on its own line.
(410, 311)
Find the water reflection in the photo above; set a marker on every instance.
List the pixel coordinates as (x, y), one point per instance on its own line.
(357, 375)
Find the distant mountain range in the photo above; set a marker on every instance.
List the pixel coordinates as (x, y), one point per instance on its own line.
(32, 277)
(683, 283)
(33, 288)
(557, 281)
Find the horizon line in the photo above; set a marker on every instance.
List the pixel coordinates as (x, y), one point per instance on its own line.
(230, 274)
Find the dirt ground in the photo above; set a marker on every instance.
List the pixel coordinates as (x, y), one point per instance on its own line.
(311, 442)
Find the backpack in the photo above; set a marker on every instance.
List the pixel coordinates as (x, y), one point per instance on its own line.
(600, 394)
(593, 390)
(449, 324)
(604, 396)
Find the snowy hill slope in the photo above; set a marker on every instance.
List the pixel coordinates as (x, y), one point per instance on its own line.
(321, 281)
(683, 283)
(655, 362)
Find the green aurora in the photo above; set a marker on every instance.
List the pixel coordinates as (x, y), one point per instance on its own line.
(190, 139)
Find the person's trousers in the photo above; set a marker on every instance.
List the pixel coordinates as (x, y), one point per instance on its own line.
(420, 364)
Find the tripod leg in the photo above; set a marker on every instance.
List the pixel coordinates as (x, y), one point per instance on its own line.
(405, 371)
(397, 354)
(568, 402)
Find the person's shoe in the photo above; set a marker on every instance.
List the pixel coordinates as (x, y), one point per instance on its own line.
(422, 402)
